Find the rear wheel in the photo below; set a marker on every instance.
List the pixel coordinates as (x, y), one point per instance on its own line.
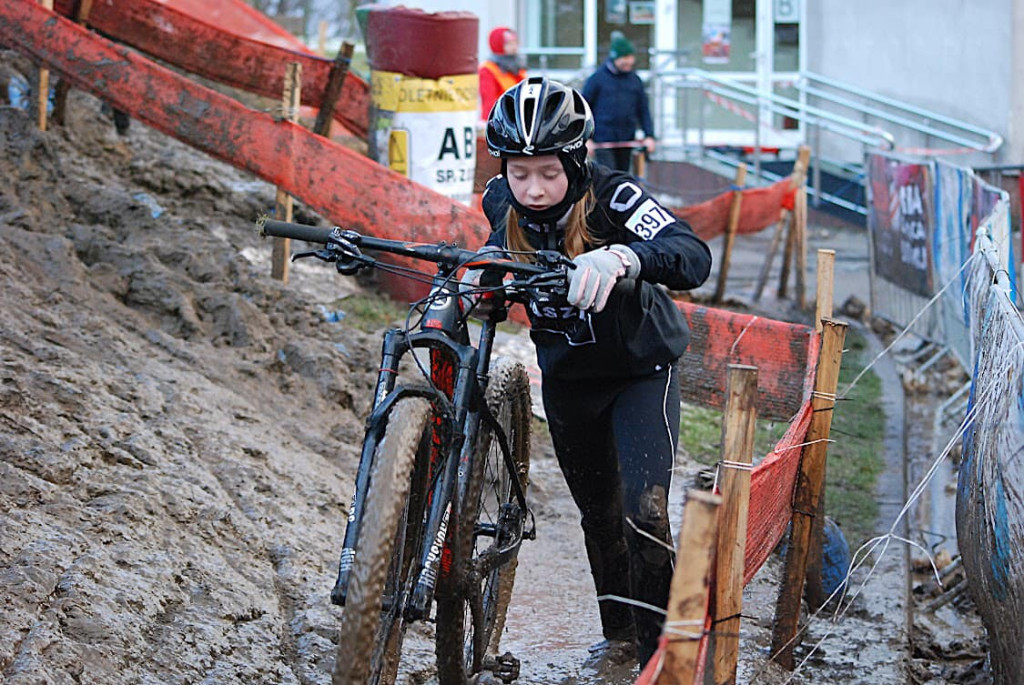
(473, 601)
(372, 627)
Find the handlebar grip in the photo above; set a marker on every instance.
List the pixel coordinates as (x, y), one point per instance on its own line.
(283, 229)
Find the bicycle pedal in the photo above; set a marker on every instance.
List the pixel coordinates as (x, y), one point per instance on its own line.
(504, 667)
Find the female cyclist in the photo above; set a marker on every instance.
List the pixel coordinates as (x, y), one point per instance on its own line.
(607, 354)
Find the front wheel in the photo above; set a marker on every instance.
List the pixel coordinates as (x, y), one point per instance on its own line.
(473, 601)
(366, 646)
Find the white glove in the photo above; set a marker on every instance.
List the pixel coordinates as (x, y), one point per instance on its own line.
(480, 304)
(597, 272)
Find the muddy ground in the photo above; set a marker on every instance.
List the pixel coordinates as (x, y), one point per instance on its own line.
(178, 434)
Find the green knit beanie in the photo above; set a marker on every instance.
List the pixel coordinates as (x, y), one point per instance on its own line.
(621, 47)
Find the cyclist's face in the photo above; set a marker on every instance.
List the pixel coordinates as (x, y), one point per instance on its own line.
(537, 182)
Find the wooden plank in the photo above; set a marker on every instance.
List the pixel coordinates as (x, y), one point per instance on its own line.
(738, 426)
(809, 487)
(773, 249)
(217, 54)
(342, 185)
(730, 230)
(290, 99)
(334, 85)
(688, 598)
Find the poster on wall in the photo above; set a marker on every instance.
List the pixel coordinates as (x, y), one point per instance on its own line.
(900, 220)
(641, 12)
(717, 31)
(615, 11)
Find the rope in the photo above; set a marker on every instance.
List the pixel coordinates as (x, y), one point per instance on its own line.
(732, 350)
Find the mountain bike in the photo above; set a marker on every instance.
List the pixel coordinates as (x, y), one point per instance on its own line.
(439, 510)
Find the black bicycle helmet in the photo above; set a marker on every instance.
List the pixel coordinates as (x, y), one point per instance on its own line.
(542, 117)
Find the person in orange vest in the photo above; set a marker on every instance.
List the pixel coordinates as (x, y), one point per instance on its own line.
(502, 71)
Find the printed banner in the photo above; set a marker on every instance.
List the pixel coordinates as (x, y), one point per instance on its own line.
(717, 31)
(900, 219)
(425, 129)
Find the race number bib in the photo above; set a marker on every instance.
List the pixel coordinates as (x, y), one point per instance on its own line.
(648, 219)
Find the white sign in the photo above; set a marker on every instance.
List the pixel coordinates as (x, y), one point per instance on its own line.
(787, 11)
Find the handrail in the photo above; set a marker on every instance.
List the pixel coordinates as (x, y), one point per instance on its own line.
(992, 140)
(830, 121)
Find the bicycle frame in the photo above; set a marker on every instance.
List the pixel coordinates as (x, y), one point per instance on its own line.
(457, 422)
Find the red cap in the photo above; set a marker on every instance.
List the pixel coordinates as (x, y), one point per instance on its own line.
(497, 39)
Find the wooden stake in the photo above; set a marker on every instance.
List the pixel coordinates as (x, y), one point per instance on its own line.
(43, 95)
(688, 599)
(290, 103)
(738, 426)
(826, 287)
(321, 39)
(730, 230)
(773, 248)
(797, 182)
(60, 91)
(810, 485)
(332, 92)
(640, 164)
(800, 220)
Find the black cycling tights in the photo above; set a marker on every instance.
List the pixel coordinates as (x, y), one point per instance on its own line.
(615, 440)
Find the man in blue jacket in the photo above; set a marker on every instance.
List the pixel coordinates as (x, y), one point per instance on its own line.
(619, 103)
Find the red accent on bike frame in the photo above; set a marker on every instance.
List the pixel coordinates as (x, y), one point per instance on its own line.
(442, 375)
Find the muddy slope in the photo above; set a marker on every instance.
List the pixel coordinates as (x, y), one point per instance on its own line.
(176, 430)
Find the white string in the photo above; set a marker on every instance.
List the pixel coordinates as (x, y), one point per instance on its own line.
(732, 350)
(907, 328)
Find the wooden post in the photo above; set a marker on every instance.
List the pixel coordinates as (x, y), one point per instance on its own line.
(43, 94)
(640, 163)
(799, 182)
(810, 484)
(730, 230)
(688, 599)
(738, 426)
(321, 39)
(826, 287)
(60, 91)
(773, 248)
(290, 103)
(800, 222)
(335, 81)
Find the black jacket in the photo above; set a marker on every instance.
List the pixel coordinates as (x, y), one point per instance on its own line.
(619, 103)
(640, 330)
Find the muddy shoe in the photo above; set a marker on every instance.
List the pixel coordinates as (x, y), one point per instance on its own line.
(609, 655)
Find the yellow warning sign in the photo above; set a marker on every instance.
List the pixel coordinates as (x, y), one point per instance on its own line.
(398, 151)
(399, 93)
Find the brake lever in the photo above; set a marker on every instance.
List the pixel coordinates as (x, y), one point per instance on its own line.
(322, 255)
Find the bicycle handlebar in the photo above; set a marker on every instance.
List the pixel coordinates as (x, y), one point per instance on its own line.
(447, 254)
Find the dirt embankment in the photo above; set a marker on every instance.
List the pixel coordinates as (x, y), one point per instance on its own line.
(177, 431)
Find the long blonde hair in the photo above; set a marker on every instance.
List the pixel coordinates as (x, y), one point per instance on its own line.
(578, 238)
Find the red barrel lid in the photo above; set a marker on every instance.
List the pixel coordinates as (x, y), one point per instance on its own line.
(422, 44)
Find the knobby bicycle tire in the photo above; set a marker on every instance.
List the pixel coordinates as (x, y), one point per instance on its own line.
(386, 502)
(463, 639)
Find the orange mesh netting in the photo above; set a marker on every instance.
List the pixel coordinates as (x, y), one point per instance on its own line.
(761, 207)
(785, 355)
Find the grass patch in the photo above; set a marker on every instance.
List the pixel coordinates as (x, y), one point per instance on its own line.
(370, 313)
(855, 459)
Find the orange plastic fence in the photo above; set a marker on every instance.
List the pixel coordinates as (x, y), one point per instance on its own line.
(210, 48)
(346, 187)
(761, 208)
(785, 354)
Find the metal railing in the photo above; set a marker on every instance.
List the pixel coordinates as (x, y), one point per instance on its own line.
(822, 106)
(967, 137)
